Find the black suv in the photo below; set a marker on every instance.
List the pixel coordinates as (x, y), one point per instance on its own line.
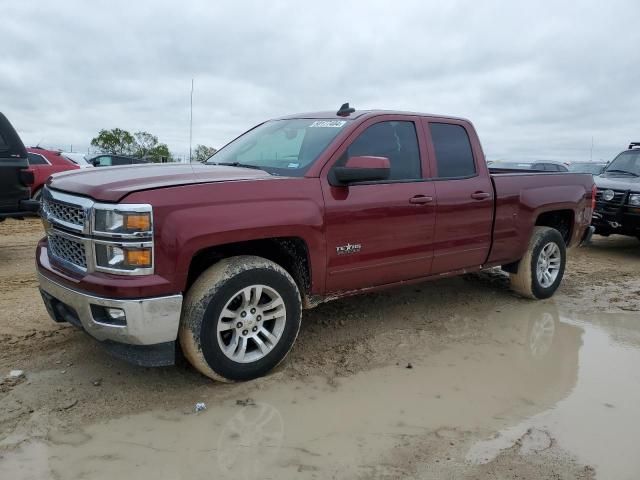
(618, 198)
(14, 177)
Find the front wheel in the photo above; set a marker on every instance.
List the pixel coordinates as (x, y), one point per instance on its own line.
(541, 269)
(240, 318)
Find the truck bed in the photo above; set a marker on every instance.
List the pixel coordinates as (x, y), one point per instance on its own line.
(522, 196)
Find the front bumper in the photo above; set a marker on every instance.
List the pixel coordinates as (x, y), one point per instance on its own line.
(622, 222)
(150, 324)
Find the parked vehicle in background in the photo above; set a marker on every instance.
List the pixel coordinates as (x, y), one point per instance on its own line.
(538, 166)
(108, 160)
(79, 159)
(618, 198)
(594, 168)
(222, 257)
(44, 163)
(15, 178)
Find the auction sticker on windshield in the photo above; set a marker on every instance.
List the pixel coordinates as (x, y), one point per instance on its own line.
(328, 124)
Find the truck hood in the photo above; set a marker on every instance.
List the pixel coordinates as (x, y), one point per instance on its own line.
(111, 184)
(615, 182)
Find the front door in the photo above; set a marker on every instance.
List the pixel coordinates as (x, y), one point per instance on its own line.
(13, 159)
(380, 232)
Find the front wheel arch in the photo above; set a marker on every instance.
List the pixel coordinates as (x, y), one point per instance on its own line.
(210, 293)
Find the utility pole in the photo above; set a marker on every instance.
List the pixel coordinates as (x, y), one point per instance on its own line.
(592, 148)
(191, 122)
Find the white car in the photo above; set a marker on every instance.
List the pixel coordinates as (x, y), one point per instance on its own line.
(79, 159)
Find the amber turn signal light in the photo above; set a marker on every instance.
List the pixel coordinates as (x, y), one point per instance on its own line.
(139, 222)
(138, 257)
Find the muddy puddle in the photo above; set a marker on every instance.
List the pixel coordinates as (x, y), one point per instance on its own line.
(520, 381)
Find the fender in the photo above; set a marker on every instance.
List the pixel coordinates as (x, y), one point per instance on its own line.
(195, 217)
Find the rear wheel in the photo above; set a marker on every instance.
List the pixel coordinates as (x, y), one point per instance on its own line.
(240, 318)
(541, 269)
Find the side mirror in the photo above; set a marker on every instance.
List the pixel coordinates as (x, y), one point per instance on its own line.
(363, 169)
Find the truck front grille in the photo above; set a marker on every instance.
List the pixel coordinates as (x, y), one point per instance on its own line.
(72, 214)
(67, 250)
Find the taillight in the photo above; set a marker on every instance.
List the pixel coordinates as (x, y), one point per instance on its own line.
(27, 177)
(594, 191)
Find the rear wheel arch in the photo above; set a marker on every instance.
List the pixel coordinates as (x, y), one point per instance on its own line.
(562, 220)
(546, 247)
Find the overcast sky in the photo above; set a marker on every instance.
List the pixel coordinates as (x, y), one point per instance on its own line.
(539, 80)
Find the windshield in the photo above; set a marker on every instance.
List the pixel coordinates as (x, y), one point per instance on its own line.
(593, 168)
(628, 162)
(281, 147)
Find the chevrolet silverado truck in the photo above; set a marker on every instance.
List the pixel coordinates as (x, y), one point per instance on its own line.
(216, 261)
(617, 208)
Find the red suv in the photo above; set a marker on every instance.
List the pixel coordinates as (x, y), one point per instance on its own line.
(44, 163)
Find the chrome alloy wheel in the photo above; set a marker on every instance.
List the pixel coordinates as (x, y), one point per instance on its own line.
(548, 265)
(251, 323)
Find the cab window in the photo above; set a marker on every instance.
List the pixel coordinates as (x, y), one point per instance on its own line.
(395, 140)
(454, 156)
(104, 161)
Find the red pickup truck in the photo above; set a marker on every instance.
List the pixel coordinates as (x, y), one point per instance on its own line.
(218, 260)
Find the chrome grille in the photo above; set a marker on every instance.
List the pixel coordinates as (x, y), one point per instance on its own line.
(61, 211)
(68, 250)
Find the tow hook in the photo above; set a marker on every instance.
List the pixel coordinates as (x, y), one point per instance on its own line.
(615, 224)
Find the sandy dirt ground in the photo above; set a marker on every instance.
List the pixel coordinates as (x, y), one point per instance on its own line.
(457, 378)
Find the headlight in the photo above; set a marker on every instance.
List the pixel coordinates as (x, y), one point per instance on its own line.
(123, 238)
(634, 200)
(123, 257)
(117, 221)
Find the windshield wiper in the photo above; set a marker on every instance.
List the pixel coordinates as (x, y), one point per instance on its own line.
(623, 171)
(238, 164)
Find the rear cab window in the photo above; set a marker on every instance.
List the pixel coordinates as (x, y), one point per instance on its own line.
(454, 155)
(104, 161)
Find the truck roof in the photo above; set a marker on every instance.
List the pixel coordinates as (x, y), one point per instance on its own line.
(364, 114)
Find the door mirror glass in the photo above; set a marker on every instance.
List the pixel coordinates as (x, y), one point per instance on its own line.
(363, 169)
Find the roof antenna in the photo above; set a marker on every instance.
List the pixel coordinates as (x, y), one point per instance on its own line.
(345, 110)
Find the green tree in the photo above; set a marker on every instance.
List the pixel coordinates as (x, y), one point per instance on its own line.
(115, 141)
(141, 144)
(145, 143)
(159, 152)
(202, 153)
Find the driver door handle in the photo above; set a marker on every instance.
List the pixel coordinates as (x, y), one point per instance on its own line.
(420, 199)
(480, 195)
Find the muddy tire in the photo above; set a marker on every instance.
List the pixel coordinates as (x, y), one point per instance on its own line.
(541, 269)
(240, 318)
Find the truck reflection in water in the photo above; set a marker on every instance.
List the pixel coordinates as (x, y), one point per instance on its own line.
(488, 372)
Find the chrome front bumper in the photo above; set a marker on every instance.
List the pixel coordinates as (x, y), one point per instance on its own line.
(148, 321)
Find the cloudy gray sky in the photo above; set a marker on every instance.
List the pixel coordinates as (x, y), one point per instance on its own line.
(539, 79)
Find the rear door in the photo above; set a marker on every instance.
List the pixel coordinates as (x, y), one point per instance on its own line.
(13, 160)
(380, 232)
(464, 212)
